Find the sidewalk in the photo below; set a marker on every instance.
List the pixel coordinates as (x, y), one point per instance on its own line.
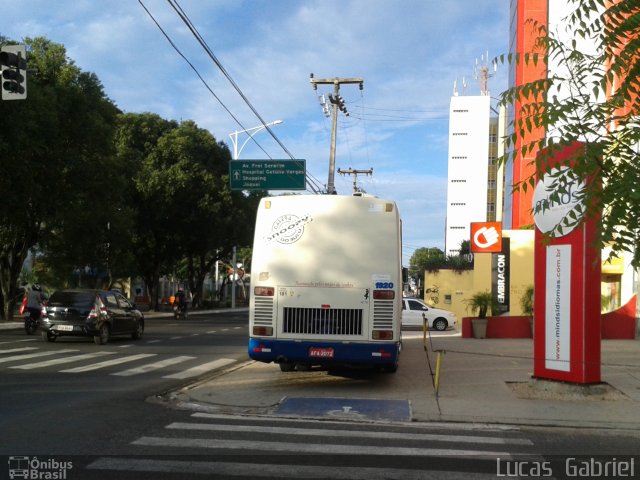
(481, 381)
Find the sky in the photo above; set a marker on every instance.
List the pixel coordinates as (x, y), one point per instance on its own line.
(409, 53)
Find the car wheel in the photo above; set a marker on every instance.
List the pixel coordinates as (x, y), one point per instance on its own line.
(138, 331)
(48, 336)
(103, 335)
(440, 324)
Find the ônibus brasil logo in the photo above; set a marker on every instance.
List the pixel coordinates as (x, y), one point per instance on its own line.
(288, 228)
(557, 202)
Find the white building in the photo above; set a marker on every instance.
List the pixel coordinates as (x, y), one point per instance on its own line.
(473, 150)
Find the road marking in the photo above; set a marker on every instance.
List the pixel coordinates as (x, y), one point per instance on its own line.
(152, 366)
(200, 369)
(319, 448)
(58, 361)
(107, 363)
(129, 345)
(259, 470)
(175, 338)
(432, 437)
(154, 341)
(195, 334)
(14, 358)
(211, 331)
(22, 349)
(19, 341)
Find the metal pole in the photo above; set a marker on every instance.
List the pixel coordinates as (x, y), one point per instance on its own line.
(332, 152)
(251, 132)
(336, 90)
(233, 279)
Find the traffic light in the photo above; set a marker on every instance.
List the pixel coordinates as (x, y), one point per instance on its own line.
(13, 64)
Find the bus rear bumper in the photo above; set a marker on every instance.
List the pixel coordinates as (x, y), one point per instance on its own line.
(324, 353)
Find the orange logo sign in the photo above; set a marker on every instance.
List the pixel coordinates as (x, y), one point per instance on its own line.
(486, 237)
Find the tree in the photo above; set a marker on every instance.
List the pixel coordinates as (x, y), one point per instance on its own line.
(589, 97)
(186, 216)
(54, 150)
(429, 259)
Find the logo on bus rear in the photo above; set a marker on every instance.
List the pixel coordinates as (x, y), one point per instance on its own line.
(288, 229)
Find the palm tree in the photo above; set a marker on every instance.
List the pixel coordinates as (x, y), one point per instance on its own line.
(482, 302)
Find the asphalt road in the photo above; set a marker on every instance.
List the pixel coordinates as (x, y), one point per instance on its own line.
(73, 397)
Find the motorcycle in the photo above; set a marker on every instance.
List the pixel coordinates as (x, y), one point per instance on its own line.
(179, 311)
(31, 322)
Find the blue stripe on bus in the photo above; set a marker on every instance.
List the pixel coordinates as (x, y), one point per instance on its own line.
(379, 353)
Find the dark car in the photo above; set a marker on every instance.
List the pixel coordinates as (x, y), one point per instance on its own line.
(91, 313)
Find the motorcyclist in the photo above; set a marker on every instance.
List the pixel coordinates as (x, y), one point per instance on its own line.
(34, 301)
(34, 309)
(180, 302)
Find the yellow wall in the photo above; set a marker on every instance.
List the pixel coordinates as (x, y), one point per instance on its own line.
(616, 278)
(461, 286)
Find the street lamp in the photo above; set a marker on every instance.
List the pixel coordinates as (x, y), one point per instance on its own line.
(251, 132)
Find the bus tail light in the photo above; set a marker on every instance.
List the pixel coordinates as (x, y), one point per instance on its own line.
(261, 349)
(384, 294)
(382, 334)
(263, 331)
(263, 291)
(381, 353)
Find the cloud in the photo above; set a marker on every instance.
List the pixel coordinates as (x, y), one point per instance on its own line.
(408, 53)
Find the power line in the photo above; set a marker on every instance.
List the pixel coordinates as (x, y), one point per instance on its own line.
(184, 17)
(314, 187)
(175, 47)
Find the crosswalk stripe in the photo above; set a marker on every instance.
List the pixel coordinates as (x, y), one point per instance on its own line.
(152, 366)
(199, 369)
(348, 433)
(26, 356)
(22, 349)
(108, 363)
(58, 361)
(257, 470)
(319, 448)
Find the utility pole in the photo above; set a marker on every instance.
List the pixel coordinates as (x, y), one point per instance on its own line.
(338, 103)
(355, 173)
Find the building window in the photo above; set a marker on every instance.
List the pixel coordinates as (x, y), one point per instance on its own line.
(493, 138)
(491, 184)
(458, 181)
(460, 111)
(459, 157)
(457, 228)
(455, 134)
(458, 204)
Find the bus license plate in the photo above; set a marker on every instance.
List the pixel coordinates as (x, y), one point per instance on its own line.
(318, 352)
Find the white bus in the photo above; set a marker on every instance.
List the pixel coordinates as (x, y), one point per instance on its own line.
(327, 282)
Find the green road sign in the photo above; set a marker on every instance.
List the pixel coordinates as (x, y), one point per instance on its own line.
(267, 174)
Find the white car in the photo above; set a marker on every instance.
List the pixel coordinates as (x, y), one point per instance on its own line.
(438, 319)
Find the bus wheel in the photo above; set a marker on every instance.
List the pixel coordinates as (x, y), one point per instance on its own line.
(388, 368)
(287, 366)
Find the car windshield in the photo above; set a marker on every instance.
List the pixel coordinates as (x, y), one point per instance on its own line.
(72, 299)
